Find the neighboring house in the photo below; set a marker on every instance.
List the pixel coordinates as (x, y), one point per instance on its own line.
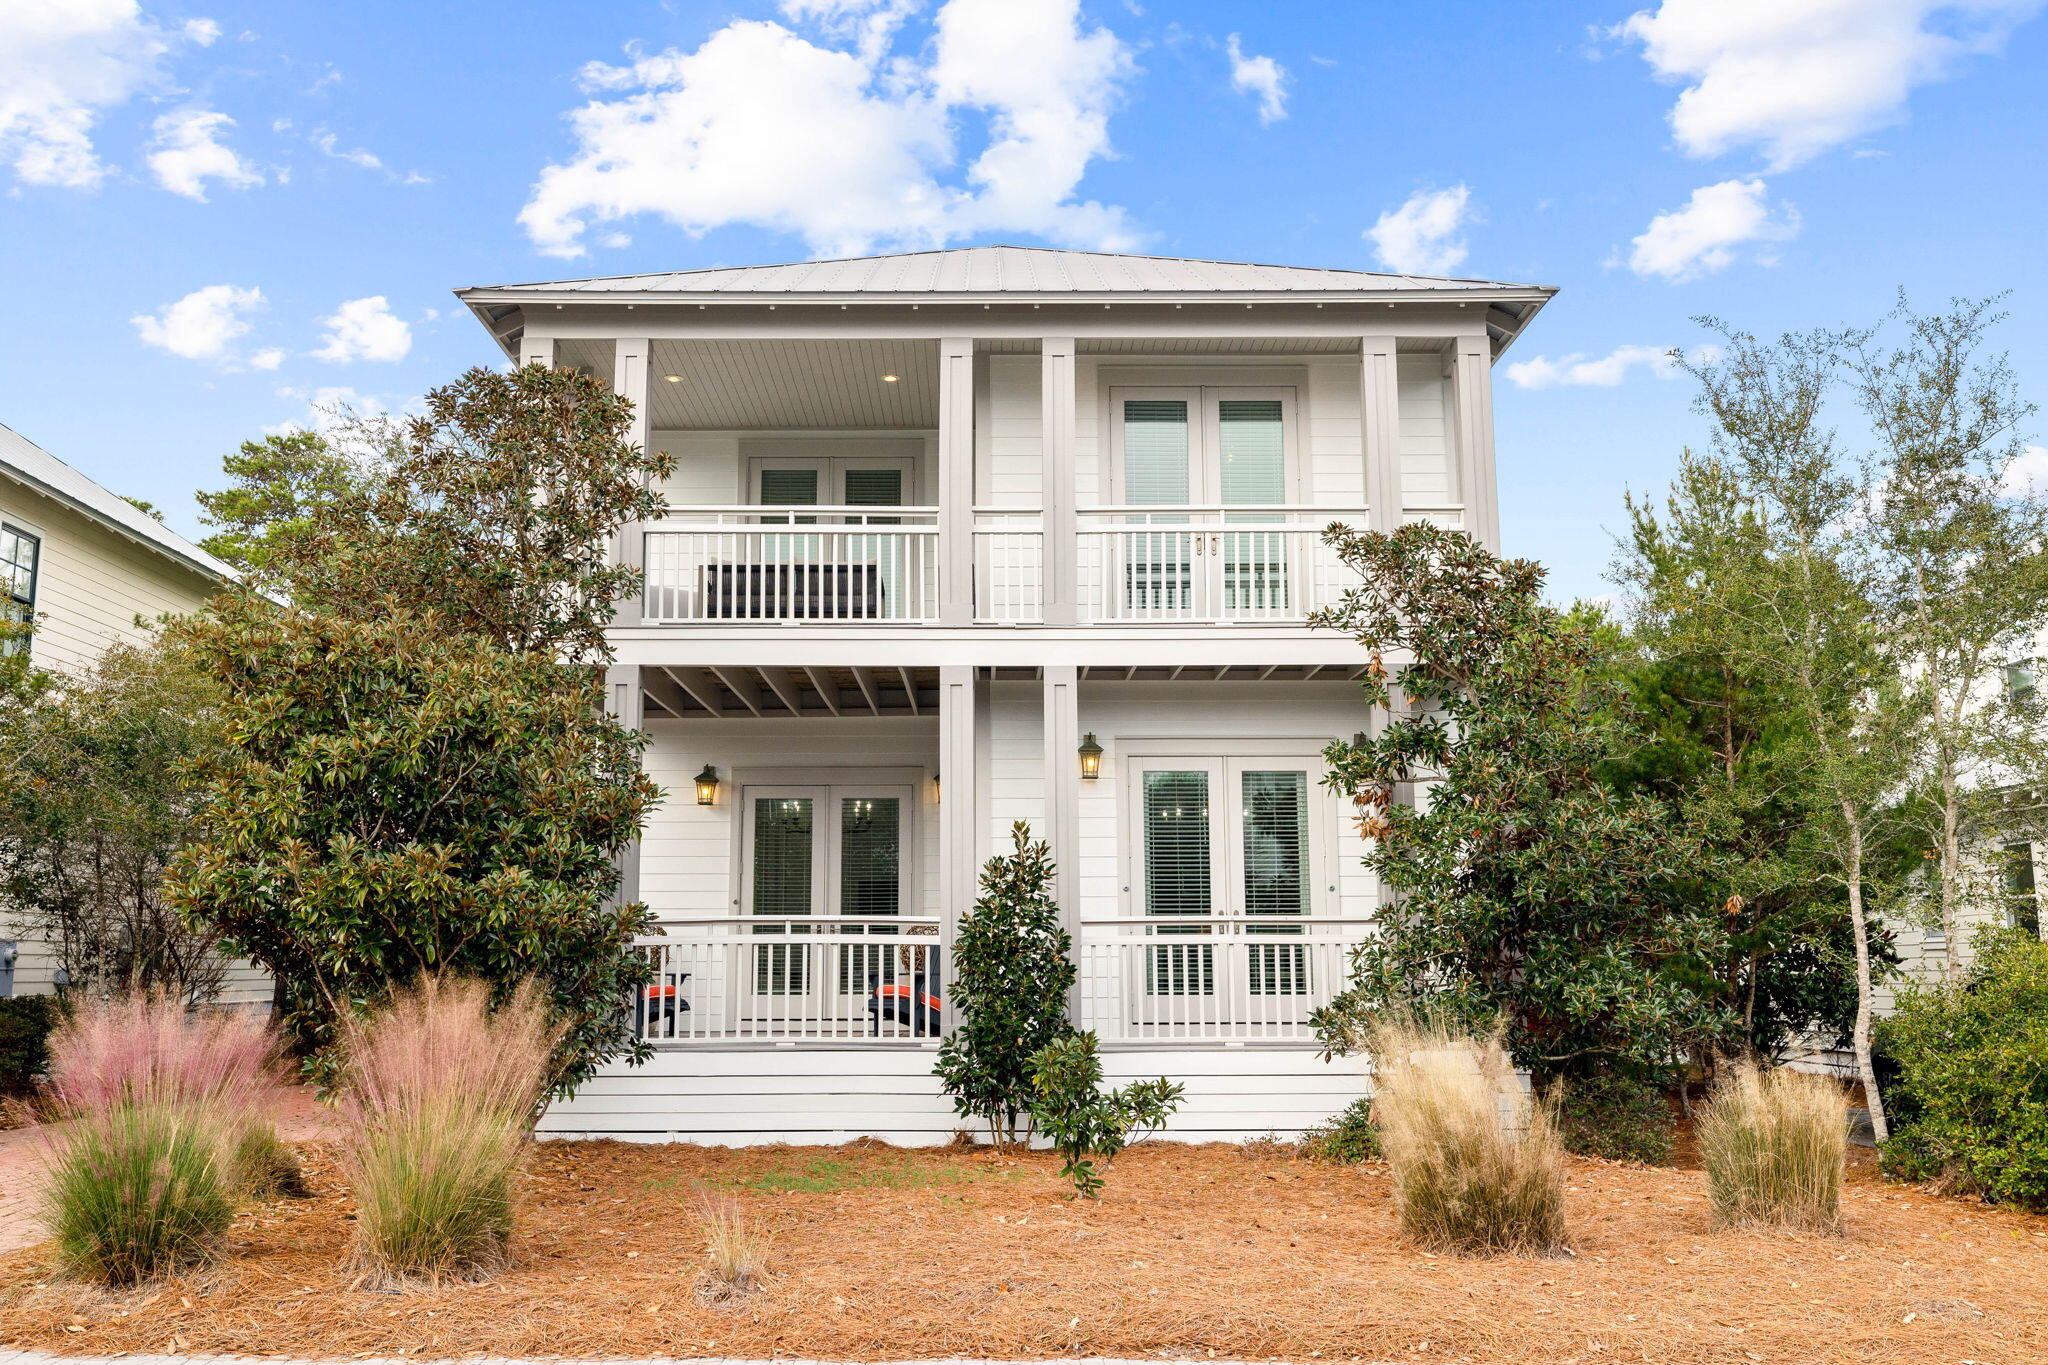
(87, 570)
(961, 538)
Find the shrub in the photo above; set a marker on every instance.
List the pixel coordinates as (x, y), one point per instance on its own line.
(1011, 972)
(25, 1024)
(1347, 1137)
(440, 1092)
(735, 1250)
(158, 1101)
(1971, 1101)
(1477, 1166)
(1083, 1123)
(264, 1168)
(1776, 1148)
(138, 1191)
(1618, 1118)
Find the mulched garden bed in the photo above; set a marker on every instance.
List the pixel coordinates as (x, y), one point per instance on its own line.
(1192, 1252)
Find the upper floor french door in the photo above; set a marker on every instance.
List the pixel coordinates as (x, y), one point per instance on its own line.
(1207, 458)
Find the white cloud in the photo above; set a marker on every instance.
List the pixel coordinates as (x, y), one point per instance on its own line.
(65, 62)
(185, 151)
(1422, 237)
(1797, 77)
(2027, 475)
(846, 147)
(364, 329)
(1703, 236)
(1260, 77)
(330, 145)
(203, 325)
(268, 359)
(1606, 372)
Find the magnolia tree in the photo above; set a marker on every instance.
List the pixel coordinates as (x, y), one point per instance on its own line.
(419, 775)
(1521, 887)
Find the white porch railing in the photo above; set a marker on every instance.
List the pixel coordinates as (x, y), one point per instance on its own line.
(793, 978)
(1009, 565)
(1211, 979)
(1208, 563)
(824, 564)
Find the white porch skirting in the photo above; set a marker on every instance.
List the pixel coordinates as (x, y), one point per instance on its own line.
(830, 1095)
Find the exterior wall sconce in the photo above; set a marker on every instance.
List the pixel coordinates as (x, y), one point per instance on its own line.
(707, 786)
(1091, 758)
(1360, 740)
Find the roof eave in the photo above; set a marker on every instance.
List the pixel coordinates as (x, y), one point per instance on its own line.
(27, 480)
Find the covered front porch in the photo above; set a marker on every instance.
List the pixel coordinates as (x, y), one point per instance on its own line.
(825, 828)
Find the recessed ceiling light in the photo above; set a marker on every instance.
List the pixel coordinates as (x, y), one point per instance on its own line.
(673, 378)
(888, 379)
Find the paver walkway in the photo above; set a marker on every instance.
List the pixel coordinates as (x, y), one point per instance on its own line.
(22, 1151)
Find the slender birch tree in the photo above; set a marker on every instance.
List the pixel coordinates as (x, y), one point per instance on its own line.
(1960, 581)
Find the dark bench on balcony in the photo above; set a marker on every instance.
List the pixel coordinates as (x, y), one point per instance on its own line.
(802, 592)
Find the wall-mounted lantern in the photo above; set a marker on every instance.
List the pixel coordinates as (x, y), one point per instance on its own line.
(707, 786)
(1091, 758)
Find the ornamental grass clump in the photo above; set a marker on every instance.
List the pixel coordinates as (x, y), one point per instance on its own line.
(735, 1250)
(155, 1103)
(1776, 1148)
(440, 1090)
(1477, 1164)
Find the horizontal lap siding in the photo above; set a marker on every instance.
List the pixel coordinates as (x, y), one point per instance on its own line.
(1425, 432)
(743, 1098)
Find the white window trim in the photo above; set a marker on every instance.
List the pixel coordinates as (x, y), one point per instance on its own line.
(910, 785)
(830, 468)
(1204, 438)
(1135, 756)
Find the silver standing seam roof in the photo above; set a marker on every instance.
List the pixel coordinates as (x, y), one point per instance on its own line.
(983, 270)
(28, 463)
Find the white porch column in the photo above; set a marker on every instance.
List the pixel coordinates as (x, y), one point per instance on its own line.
(630, 380)
(535, 350)
(1056, 465)
(623, 701)
(1063, 788)
(956, 482)
(1473, 458)
(959, 796)
(1379, 413)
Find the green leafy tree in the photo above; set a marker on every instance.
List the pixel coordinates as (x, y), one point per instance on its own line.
(92, 808)
(496, 508)
(1084, 1123)
(395, 800)
(1521, 887)
(1958, 574)
(1012, 969)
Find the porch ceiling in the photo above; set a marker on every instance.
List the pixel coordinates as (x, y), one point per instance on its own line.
(832, 385)
(743, 693)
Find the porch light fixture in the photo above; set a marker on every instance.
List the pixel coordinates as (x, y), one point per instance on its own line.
(888, 379)
(673, 378)
(707, 786)
(1091, 757)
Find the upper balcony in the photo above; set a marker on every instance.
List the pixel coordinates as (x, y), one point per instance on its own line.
(1001, 438)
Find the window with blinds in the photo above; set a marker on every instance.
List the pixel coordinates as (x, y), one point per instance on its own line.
(19, 553)
(1251, 451)
(870, 882)
(782, 856)
(1276, 865)
(1157, 452)
(1176, 818)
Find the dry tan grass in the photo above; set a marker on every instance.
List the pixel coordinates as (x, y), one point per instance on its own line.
(1776, 1148)
(883, 1254)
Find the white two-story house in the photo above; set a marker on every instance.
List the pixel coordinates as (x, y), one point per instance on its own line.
(962, 538)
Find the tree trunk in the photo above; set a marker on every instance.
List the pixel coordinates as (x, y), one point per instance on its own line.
(1852, 823)
(1951, 871)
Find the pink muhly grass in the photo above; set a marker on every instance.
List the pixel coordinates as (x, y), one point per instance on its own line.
(148, 1048)
(440, 1092)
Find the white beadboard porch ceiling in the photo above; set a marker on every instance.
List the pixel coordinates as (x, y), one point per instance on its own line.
(754, 385)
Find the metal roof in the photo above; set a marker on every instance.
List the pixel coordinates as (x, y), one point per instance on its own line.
(989, 270)
(30, 464)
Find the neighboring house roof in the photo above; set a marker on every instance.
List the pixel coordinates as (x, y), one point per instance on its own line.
(28, 463)
(986, 270)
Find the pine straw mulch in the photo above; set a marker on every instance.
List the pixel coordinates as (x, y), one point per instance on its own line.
(1192, 1253)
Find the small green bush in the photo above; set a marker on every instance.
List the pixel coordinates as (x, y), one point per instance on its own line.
(1971, 1101)
(267, 1169)
(1776, 1147)
(138, 1191)
(25, 1024)
(1345, 1138)
(1617, 1118)
(1069, 1107)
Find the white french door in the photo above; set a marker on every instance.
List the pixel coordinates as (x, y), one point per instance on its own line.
(1187, 450)
(1227, 853)
(828, 860)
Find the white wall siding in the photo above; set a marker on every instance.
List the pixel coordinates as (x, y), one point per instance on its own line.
(746, 1098)
(1425, 432)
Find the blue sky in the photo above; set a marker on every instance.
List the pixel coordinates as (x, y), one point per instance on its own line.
(212, 213)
